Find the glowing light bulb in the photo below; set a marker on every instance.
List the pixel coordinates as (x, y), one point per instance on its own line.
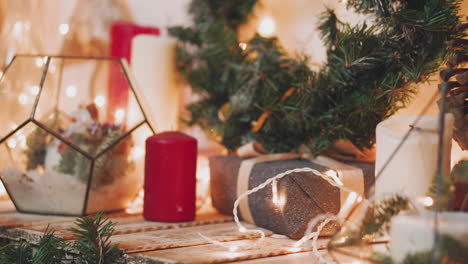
(274, 191)
(17, 29)
(34, 90)
(242, 229)
(11, 143)
(13, 126)
(267, 27)
(63, 29)
(332, 174)
(137, 153)
(426, 201)
(100, 100)
(39, 62)
(71, 92)
(243, 45)
(22, 141)
(119, 115)
(278, 200)
(23, 98)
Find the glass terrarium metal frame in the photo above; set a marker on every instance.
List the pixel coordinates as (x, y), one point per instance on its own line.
(72, 151)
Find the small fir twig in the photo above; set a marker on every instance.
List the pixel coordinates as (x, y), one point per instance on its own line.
(93, 241)
(379, 214)
(91, 246)
(446, 194)
(51, 250)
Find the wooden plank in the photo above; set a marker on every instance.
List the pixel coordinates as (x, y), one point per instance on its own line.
(181, 237)
(134, 224)
(214, 253)
(14, 219)
(297, 258)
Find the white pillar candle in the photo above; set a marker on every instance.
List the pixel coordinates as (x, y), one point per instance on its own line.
(414, 233)
(153, 65)
(414, 166)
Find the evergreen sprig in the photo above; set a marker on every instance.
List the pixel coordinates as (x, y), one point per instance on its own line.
(51, 250)
(366, 79)
(379, 214)
(91, 246)
(446, 192)
(92, 241)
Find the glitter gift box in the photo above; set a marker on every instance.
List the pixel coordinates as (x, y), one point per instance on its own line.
(301, 195)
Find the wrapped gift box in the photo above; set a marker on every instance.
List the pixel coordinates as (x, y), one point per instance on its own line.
(302, 195)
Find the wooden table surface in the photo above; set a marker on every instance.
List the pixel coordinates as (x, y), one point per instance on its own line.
(157, 242)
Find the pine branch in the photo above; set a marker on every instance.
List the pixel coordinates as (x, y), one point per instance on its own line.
(17, 254)
(379, 214)
(447, 192)
(92, 246)
(51, 250)
(367, 78)
(329, 27)
(93, 241)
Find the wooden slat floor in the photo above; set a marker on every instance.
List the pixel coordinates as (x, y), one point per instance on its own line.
(156, 242)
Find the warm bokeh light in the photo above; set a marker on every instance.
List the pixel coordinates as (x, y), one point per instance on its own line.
(39, 62)
(137, 153)
(266, 27)
(203, 183)
(136, 206)
(23, 98)
(34, 90)
(11, 143)
(243, 45)
(100, 100)
(278, 199)
(71, 91)
(63, 29)
(426, 201)
(119, 115)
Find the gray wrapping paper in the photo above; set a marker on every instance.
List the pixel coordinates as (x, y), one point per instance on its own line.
(306, 195)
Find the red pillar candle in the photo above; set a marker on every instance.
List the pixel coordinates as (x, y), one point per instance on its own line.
(122, 34)
(170, 177)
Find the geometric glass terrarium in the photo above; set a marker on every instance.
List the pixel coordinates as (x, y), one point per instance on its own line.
(72, 135)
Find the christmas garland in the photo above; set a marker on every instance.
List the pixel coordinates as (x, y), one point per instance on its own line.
(254, 92)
